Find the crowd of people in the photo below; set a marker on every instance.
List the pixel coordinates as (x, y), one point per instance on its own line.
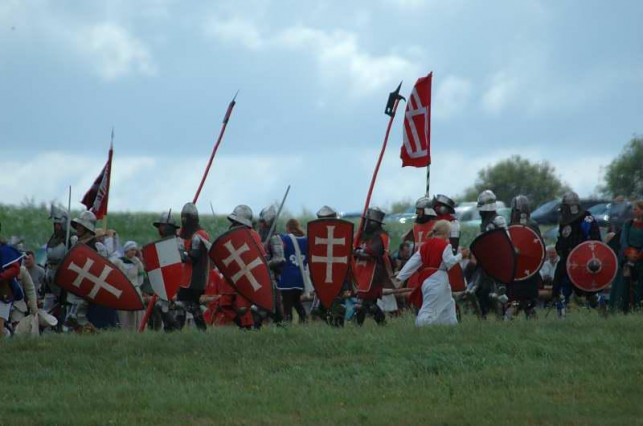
(421, 276)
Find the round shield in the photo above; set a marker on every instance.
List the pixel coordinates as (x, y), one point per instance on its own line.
(592, 266)
(530, 251)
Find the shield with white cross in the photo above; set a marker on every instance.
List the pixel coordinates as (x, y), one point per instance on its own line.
(241, 262)
(530, 251)
(87, 274)
(330, 243)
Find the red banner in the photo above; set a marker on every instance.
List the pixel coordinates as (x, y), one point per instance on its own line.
(416, 147)
(98, 195)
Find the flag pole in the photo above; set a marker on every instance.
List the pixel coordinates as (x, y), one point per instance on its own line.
(109, 178)
(226, 118)
(68, 231)
(428, 178)
(391, 108)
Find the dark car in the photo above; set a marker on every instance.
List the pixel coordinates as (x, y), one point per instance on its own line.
(547, 214)
(612, 215)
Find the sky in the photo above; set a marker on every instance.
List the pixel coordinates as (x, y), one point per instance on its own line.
(556, 81)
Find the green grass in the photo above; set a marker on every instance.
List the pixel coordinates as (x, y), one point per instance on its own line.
(578, 371)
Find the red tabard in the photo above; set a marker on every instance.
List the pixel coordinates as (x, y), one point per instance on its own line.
(431, 254)
(421, 233)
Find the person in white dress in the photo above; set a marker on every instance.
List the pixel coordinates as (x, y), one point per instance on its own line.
(433, 260)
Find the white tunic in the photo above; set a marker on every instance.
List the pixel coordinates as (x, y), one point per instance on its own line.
(438, 306)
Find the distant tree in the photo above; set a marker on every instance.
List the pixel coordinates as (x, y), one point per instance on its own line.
(516, 175)
(624, 175)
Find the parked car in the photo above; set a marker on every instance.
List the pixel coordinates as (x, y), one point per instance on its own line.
(407, 216)
(467, 211)
(612, 215)
(547, 214)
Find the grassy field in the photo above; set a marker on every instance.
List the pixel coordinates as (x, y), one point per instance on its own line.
(584, 370)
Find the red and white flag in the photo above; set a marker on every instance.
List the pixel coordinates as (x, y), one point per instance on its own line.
(416, 149)
(98, 195)
(164, 267)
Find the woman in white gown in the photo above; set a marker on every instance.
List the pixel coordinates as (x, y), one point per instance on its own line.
(433, 260)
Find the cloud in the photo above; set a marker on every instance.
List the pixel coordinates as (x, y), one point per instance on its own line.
(114, 52)
(107, 46)
(338, 53)
(500, 94)
(451, 97)
(142, 183)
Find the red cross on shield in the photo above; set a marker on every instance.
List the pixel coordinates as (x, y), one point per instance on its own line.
(242, 263)
(87, 274)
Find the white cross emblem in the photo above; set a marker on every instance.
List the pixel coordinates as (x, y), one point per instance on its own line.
(244, 270)
(414, 148)
(329, 259)
(99, 282)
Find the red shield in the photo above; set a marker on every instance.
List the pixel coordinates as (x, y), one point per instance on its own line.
(592, 266)
(456, 279)
(363, 273)
(87, 274)
(242, 263)
(530, 251)
(164, 267)
(330, 243)
(495, 254)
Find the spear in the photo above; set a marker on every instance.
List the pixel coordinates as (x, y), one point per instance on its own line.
(226, 118)
(391, 107)
(274, 222)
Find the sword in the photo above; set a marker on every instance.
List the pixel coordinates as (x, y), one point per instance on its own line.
(274, 222)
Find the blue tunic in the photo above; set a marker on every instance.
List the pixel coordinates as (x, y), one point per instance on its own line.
(291, 278)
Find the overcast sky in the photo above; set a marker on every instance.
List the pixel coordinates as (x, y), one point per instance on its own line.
(560, 81)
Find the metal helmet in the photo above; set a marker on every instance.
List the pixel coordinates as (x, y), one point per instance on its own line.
(166, 219)
(241, 214)
(570, 208)
(87, 220)
(487, 201)
(268, 214)
(326, 212)
(375, 214)
(520, 210)
(425, 204)
(189, 209)
(443, 204)
(58, 215)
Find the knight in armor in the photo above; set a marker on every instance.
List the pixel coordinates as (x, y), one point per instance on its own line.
(424, 221)
(9, 286)
(292, 281)
(164, 312)
(489, 293)
(195, 253)
(336, 314)
(576, 225)
(444, 207)
(275, 257)
(81, 314)
(230, 305)
(523, 295)
(54, 298)
(372, 247)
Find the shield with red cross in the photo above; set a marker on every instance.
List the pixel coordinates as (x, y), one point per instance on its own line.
(330, 243)
(87, 274)
(239, 258)
(164, 267)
